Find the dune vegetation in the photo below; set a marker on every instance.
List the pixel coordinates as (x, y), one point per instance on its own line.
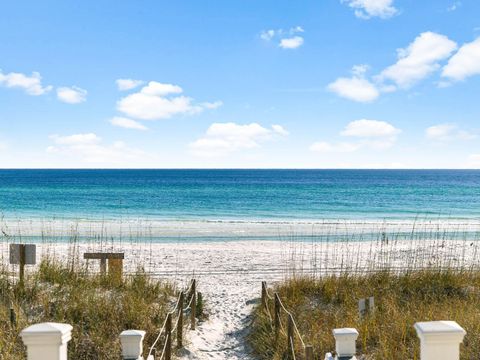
(320, 304)
(98, 307)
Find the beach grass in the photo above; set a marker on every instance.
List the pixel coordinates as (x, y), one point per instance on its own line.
(98, 307)
(320, 304)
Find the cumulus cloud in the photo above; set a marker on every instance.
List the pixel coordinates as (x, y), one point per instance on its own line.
(419, 60)
(340, 147)
(127, 123)
(371, 134)
(128, 84)
(465, 63)
(71, 95)
(32, 84)
(291, 43)
(287, 39)
(89, 148)
(224, 138)
(370, 128)
(447, 132)
(357, 87)
(160, 101)
(366, 9)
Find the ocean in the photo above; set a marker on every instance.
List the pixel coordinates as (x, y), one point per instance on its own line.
(240, 197)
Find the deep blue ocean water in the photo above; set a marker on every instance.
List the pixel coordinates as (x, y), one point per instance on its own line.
(240, 194)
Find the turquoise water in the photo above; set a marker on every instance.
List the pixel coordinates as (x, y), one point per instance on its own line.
(270, 195)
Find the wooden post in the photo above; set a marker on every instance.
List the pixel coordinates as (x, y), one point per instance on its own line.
(103, 266)
(309, 352)
(168, 337)
(277, 317)
(22, 263)
(193, 310)
(264, 294)
(290, 337)
(199, 303)
(180, 321)
(13, 317)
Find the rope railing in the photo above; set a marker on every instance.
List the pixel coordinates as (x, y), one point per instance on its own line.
(178, 312)
(292, 328)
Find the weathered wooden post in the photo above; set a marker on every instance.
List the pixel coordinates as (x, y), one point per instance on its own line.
(168, 337)
(264, 294)
(290, 342)
(345, 339)
(180, 320)
(439, 340)
(193, 310)
(22, 263)
(362, 308)
(277, 317)
(22, 254)
(13, 317)
(308, 352)
(132, 344)
(47, 341)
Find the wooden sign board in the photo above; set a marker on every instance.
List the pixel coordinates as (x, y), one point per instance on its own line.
(30, 254)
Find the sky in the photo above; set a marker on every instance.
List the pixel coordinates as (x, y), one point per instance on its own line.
(240, 84)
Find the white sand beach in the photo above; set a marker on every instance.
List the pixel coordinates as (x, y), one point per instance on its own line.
(229, 274)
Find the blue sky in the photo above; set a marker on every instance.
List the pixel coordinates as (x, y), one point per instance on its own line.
(267, 84)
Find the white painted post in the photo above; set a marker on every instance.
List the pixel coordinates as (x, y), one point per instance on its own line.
(439, 340)
(47, 341)
(345, 342)
(132, 344)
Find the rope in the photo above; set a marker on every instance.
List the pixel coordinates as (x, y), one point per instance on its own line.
(173, 312)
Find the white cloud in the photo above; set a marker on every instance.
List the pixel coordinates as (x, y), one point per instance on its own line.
(341, 147)
(127, 123)
(354, 88)
(447, 132)
(291, 43)
(369, 128)
(89, 148)
(372, 134)
(287, 39)
(267, 35)
(128, 84)
(224, 138)
(211, 105)
(366, 9)
(454, 6)
(31, 84)
(465, 63)
(72, 95)
(160, 101)
(419, 60)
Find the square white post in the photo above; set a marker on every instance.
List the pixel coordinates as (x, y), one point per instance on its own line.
(345, 341)
(439, 340)
(47, 341)
(132, 344)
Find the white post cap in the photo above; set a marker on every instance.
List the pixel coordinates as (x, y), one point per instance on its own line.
(439, 340)
(47, 341)
(345, 341)
(132, 344)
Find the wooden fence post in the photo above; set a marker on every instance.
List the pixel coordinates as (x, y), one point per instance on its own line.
(193, 310)
(309, 352)
(168, 337)
(180, 320)
(13, 317)
(290, 350)
(277, 317)
(264, 294)
(22, 263)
